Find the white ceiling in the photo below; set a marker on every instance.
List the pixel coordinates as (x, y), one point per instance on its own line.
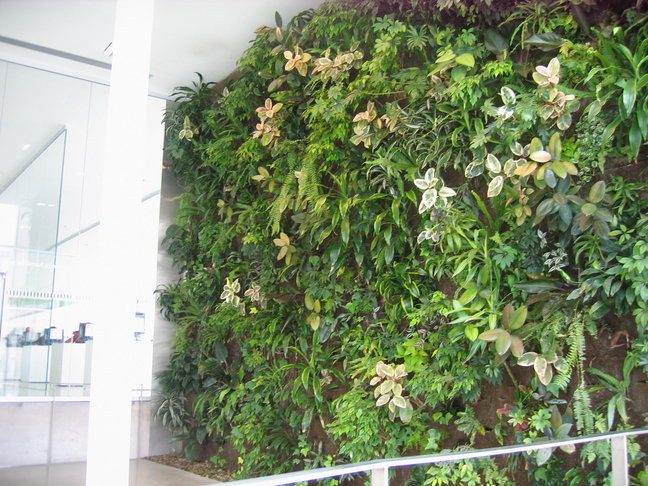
(189, 36)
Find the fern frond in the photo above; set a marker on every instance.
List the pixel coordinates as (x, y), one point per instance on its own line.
(280, 204)
(309, 179)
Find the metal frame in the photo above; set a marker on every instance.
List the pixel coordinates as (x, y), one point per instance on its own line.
(379, 468)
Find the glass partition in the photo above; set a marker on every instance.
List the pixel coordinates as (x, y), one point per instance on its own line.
(29, 209)
(52, 144)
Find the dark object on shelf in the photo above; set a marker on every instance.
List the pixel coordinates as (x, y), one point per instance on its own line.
(85, 332)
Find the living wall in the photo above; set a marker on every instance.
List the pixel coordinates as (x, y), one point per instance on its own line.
(415, 226)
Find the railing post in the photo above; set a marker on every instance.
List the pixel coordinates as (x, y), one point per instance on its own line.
(619, 461)
(380, 477)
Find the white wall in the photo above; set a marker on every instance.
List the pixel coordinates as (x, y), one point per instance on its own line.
(57, 432)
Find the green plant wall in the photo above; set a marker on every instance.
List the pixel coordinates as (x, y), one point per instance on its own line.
(409, 227)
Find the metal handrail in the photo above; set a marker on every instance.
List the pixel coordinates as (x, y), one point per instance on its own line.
(379, 468)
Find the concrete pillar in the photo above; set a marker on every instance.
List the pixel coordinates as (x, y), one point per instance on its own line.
(110, 399)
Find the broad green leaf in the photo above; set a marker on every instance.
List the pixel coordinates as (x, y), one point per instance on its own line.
(536, 286)
(555, 146)
(502, 343)
(392, 409)
(405, 414)
(597, 192)
(559, 168)
(527, 359)
(335, 252)
(595, 108)
(386, 386)
(449, 56)
(525, 169)
(634, 137)
(386, 369)
(518, 318)
(466, 59)
(535, 145)
(561, 365)
(494, 41)
(309, 302)
(397, 391)
(492, 334)
(471, 332)
(474, 169)
(543, 456)
(458, 73)
(275, 84)
(345, 229)
(446, 192)
(469, 294)
(396, 211)
(545, 207)
(399, 402)
(642, 122)
(570, 167)
(540, 156)
(306, 420)
(547, 41)
(621, 407)
(550, 178)
(382, 400)
(564, 121)
(540, 367)
(588, 209)
(610, 413)
(517, 346)
(507, 312)
(545, 379)
(493, 164)
(399, 371)
(495, 186)
(517, 149)
(604, 215)
(569, 448)
(314, 321)
(305, 377)
(389, 254)
(629, 95)
(554, 66)
(508, 97)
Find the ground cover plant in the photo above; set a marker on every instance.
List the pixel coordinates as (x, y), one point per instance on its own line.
(410, 227)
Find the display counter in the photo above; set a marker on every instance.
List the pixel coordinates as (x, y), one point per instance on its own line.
(70, 363)
(33, 362)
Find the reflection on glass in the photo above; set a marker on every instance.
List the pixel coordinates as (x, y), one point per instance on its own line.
(29, 211)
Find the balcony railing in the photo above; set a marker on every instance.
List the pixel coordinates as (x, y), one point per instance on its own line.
(379, 469)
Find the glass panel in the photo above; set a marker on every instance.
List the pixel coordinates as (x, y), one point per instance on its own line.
(30, 212)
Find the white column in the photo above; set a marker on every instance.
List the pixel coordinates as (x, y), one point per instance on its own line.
(110, 400)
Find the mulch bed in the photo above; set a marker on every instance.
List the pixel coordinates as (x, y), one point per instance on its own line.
(206, 469)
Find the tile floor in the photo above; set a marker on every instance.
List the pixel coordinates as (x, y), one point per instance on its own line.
(142, 473)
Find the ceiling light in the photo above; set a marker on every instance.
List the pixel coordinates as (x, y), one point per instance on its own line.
(25, 146)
